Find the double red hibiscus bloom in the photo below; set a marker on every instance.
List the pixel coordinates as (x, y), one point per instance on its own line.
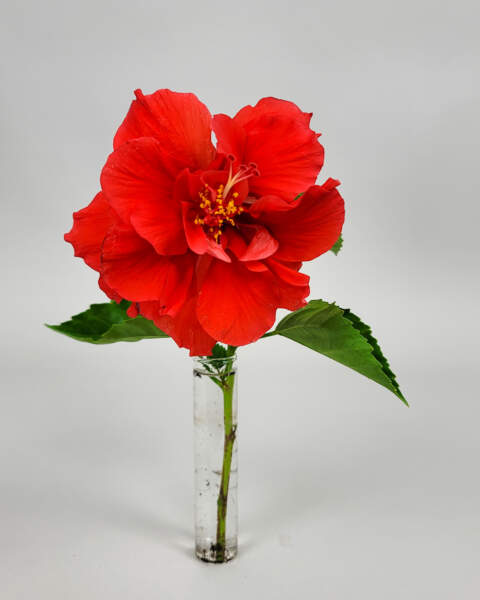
(208, 242)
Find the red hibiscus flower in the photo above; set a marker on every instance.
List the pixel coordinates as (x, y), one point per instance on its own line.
(208, 242)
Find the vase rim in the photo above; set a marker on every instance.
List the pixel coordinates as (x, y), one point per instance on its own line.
(212, 359)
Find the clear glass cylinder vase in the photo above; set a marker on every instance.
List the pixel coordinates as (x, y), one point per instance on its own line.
(215, 442)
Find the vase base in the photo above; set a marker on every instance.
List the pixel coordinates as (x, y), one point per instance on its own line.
(212, 554)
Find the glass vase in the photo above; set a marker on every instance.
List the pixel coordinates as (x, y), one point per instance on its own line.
(215, 441)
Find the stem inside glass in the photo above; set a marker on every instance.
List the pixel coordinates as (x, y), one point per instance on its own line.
(221, 372)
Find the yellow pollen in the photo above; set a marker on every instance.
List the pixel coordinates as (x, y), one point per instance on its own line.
(217, 211)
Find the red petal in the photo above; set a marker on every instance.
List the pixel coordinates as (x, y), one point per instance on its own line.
(279, 141)
(291, 297)
(310, 227)
(185, 329)
(149, 310)
(257, 266)
(140, 189)
(90, 226)
(133, 310)
(231, 136)
(292, 287)
(179, 121)
(235, 241)
(202, 267)
(271, 106)
(132, 268)
(261, 245)
(196, 237)
(236, 306)
(269, 204)
(287, 274)
(112, 294)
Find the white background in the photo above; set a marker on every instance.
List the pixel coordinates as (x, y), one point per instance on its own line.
(344, 492)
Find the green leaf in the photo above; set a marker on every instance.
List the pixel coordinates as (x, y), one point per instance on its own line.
(108, 323)
(218, 351)
(342, 336)
(337, 246)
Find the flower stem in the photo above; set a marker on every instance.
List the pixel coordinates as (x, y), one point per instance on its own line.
(230, 434)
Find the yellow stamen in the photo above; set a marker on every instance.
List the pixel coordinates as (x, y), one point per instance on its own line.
(217, 209)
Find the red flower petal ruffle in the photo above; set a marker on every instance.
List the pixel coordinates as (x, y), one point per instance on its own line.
(307, 228)
(180, 122)
(139, 188)
(235, 305)
(132, 268)
(185, 329)
(289, 157)
(90, 225)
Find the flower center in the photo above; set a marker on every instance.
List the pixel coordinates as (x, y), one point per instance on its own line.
(219, 207)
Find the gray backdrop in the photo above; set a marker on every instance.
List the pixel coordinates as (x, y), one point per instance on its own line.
(344, 492)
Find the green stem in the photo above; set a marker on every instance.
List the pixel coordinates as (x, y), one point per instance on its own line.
(230, 434)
